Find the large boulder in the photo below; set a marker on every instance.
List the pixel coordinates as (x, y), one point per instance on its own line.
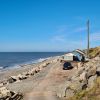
(98, 71)
(25, 73)
(61, 92)
(1, 84)
(21, 77)
(83, 76)
(80, 71)
(69, 93)
(97, 58)
(37, 69)
(76, 86)
(4, 93)
(32, 71)
(91, 82)
(91, 71)
(13, 79)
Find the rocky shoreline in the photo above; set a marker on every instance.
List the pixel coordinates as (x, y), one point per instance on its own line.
(48, 79)
(18, 75)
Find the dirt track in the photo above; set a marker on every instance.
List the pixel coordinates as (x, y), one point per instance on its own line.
(47, 88)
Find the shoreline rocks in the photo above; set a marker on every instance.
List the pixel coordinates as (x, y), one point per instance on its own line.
(6, 94)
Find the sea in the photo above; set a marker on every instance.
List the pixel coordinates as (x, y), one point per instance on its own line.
(10, 60)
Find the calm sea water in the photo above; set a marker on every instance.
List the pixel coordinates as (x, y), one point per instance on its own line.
(14, 59)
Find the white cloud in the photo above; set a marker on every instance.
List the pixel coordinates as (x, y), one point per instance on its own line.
(58, 38)
(62, 28)
(80, 29)
(95, 36)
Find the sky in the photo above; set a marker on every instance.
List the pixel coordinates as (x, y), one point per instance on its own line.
(48, 25)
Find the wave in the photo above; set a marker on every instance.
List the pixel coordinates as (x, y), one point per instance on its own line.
(26, 63)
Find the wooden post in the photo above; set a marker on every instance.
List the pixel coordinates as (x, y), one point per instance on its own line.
(88, 39)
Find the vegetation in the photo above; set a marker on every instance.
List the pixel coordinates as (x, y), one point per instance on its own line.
(93, 52)
(93, 94)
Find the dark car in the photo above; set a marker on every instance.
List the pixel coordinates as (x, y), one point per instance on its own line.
(67, 66)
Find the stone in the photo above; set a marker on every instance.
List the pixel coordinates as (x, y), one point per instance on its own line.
(83, 76)
(97, 58)
(25, 73)
(12, 79)
(21, 77)
(1, 84)
(79, 64)
(40, 67)
(47, 63)
(76, 86)
(55, 60)
(98, 71)
(91, 71)
(44, 65)
(69, 93)
(4, 92)
(37, 69)
(32, 71)
(61, 92)
(77, 73)
(91, 82)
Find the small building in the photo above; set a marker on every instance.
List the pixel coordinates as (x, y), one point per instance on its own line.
(76, 55)
(79, 54)
(68, 57)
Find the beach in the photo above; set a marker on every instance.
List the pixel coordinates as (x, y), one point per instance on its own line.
(47, 80)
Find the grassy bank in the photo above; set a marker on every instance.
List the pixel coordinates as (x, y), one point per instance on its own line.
(93, 94)
(93, 52)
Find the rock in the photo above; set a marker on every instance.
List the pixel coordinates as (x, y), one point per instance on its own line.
(40, 67)
(91, 71)
(98, 71)
(55, 60)
(76, 86)
(21, 77)
(25, 73)
(69, 93)
(37, 69)
(79, 64)
(4, 93)
(16, 96)
(47, 63)
(1, 84)
(75, 78)
(97, 58)
(12, 79)
(83, 76)
(44, 65)
(32, 71)
(61, 92)
(78, 72)
(91, 82)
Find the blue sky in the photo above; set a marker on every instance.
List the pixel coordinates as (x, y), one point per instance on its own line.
(48, 25)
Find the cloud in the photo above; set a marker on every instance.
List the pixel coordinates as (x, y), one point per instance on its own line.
(80, 29)
(61, 29)
(58, 38)
(95, 36)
